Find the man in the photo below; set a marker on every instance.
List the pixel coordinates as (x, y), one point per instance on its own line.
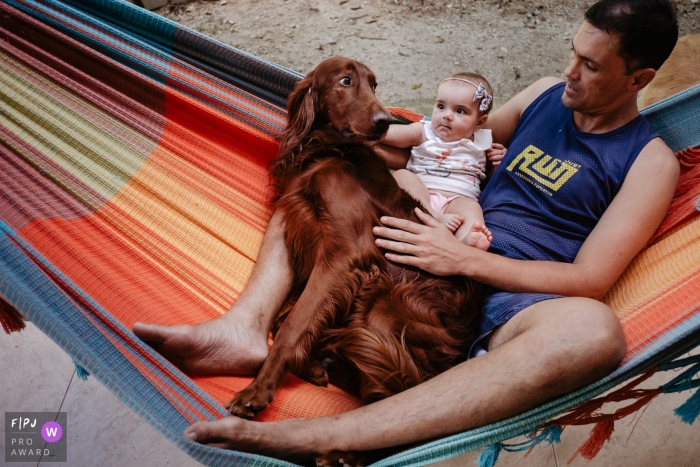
(583, 187)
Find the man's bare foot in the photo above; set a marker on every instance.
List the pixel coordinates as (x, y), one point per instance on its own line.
(451, 221)
(216, 347)
(478, 236)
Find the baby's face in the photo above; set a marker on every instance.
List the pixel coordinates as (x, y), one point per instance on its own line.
(455, 115)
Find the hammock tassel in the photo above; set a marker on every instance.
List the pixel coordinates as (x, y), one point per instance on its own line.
(81, 372)
(489, 456)
(551, 435)
(554, 434)
(690, 410)
(601, 432)
(10, 318)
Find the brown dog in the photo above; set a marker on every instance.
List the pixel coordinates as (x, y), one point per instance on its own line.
(377, 327)
(680, 71)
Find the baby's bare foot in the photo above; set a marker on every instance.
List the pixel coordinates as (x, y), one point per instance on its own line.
(478, 236)
(452, 221)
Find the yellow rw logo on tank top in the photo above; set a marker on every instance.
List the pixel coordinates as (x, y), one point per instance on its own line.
(544, 172)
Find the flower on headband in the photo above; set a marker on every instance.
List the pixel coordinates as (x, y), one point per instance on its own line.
(485, 102)
(485, 97)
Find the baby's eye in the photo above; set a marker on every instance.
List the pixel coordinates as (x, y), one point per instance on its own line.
(440, 106)
(460, 111)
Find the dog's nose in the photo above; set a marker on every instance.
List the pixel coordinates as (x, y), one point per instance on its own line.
(382, 119)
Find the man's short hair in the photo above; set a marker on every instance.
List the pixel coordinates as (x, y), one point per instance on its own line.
(647, 29)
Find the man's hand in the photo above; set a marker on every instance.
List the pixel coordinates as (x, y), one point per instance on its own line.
(430, 246)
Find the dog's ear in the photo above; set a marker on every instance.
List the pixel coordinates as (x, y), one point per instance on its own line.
(302, 106)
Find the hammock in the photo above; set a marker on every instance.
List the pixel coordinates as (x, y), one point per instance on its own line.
(133, 187)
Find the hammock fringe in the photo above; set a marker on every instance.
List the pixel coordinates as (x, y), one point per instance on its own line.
(689, 411)
(551, 434)
(10, 318)
(587, 413)
(489, 456)
(601, 432)
(80, 371)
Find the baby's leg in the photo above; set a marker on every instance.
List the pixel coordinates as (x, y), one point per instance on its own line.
(414, 187)
(473, 232)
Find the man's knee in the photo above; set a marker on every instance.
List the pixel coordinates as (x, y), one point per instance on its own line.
(593, 336)
(576, 335)
(565, 343)
(605, 328)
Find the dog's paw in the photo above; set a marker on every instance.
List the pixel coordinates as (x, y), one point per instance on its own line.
(342, 459)
(248, 402)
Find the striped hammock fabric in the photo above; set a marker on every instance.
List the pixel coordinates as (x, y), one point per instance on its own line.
(133, 187)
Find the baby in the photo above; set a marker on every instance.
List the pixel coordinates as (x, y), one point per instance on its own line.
(448, 159)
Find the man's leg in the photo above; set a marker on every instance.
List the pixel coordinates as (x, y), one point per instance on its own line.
(547, 350)
(235, 343)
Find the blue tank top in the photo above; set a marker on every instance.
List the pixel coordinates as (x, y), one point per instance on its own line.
(555, 182)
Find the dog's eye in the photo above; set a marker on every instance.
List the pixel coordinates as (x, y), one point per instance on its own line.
(345, 81)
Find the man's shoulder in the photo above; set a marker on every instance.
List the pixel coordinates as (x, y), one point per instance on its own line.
(656, 161)
(536, 89)
(543, 84)
(657, 153)
(505, 119)
(521, 101)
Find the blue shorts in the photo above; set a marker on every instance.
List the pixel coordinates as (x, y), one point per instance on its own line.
(497, 307)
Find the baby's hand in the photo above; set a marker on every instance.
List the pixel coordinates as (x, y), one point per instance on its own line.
(495, 153)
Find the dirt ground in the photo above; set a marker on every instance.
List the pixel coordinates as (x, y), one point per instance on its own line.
(409, 44)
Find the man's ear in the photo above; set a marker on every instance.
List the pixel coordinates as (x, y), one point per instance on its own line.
(641, 78)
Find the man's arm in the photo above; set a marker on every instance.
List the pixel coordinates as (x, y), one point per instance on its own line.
(621, 233)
